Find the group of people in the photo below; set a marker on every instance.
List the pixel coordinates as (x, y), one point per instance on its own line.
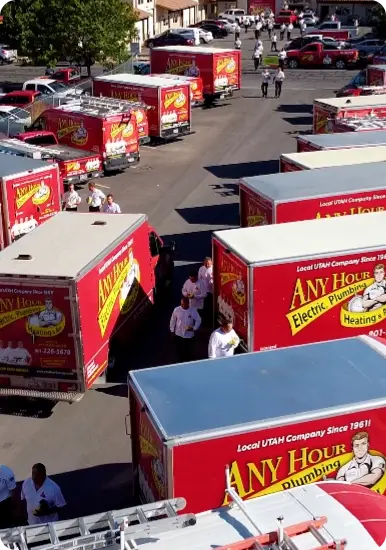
(97, 200)
(40, 499)
(196, 311)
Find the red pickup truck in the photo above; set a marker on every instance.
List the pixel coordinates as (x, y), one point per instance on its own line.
(318, 54)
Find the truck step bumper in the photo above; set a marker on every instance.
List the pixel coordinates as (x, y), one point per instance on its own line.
(70, 397)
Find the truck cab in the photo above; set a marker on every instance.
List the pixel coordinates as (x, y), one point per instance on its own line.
(39, 137)
(49, 86)
(236, 15)
(318, 54)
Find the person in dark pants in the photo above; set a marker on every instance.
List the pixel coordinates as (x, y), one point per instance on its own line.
(256, 58)
(237, 31)
(7, 488)
(282, 31)
(184, 323)
(278, 79)
(95, 199)
(264, 85)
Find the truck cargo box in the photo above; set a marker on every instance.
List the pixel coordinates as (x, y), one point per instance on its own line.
(321, 142)
(30, 194)
(328, 111)
(65, 290)
(324, 159)
(169, 101)
(302, 282)
(306, 195)
(280, 419)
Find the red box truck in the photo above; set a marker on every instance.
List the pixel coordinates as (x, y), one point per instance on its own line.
(195, 82)
(365, 124)
(325, 142)
(296, 283)
(325, 159)
(100, 125)
(30, 194)
(280, 419)
(327, 112)
(306, 195)
(169, 102)
(66, 290)
(219, 68)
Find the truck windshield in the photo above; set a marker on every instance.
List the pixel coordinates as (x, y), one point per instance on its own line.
(58, 86)
(41, 140)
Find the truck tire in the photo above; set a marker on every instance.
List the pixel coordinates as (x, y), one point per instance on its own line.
(340, 64)
(293, 63)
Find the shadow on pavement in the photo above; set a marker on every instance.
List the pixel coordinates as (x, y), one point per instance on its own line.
(245, 169)
(299, 120)
(220, 214)
(26, 407)
(98, 488)
(226, 189)
(190, 247)
(116, 390)
(299, 108)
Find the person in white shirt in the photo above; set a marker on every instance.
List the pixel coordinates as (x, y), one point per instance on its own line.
(184, 323)
(238, 44)
(264, 85)
(278, 79)
(96, 198)
(21, 356)
(237, 31)
(194, 290)
(270, 28)
(290, 28)
(43, 497)
(71, 199)
(205, 275)
(364, 468)
(256, 56)
(7, 494)
(282, 31)
(274, 42)
(111, 207)
(282, 56)
(223, 341)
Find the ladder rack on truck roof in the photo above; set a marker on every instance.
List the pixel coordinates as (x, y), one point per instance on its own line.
(115, 528)
(101, 106)
(283, 537)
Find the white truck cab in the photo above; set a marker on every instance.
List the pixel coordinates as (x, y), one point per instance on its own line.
(48, 86)
(236, 15)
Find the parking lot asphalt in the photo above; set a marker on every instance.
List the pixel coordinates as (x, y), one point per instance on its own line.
(188, 188)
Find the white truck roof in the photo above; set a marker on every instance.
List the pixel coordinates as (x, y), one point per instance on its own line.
(286, 242)
(64, 246)
(140, 80)
(325, 159)
(357, 102)
(377, 67)
(186, 400)
(308, 184)
(346, 139)
(195, 49)
(40, 80)
(17, 166)
(353, 513)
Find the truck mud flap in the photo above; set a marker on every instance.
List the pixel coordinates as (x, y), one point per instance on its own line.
(70, 397)
(175, 133)
(121, 163)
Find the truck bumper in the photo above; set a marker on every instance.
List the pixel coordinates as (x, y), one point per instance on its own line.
(70, 397)
(121, 163)
(82, 178)
(175, 131)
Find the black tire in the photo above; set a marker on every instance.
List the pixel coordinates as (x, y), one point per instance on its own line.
(293, 63)
(340, 64)
(202, 41)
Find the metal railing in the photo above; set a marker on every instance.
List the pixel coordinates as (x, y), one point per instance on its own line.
(10, 128)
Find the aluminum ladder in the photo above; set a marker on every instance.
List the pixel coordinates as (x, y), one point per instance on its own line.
(283, 537)
(108, 103)
(118, 528)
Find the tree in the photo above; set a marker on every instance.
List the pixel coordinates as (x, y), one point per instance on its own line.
(83, 31)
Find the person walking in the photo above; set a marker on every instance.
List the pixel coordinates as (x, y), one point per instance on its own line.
(246, 25)
(96, 198)
(238, 44)
(7, 495)
(282, 31)
(42, 496)
(282, 56)
(205, 275)
(184, 323)
(278, 79)
(270, 28)
(274, 42)
(290, 28)
(111, 207)
(223, 341)
(71, 199)
(237, 31)
(266, 77)
(194, 290)
(256, 56)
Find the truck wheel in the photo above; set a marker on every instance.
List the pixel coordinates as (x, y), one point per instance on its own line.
(293, 64)
(340, 64)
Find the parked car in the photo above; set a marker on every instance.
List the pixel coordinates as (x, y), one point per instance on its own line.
(206, 35)
(227, 24)
(357, 40)
(169, 38)
(368, 46)
(236, 15)
(7, 54)
(319, 55)
(20, 98)
(13, 120)
(311, 20)
(215, 30)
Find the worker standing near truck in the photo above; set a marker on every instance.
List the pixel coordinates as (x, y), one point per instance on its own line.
(195, 290)
(223, 341)
(184, 323)
(71, 199)
(111, 207)
(96, 198)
